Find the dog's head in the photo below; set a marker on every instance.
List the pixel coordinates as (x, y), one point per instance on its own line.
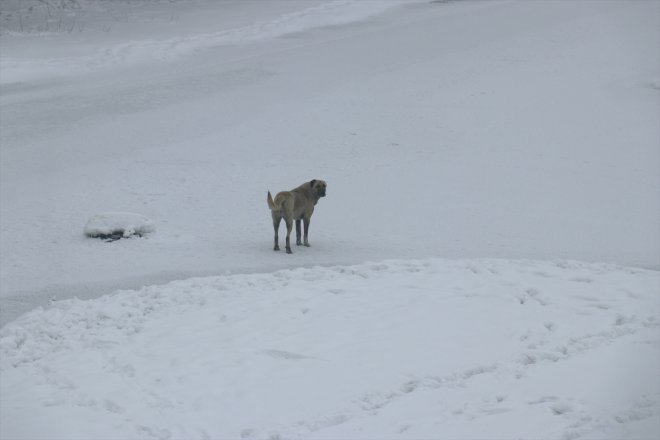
(318, 187)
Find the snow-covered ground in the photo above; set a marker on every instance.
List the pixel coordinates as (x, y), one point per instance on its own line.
(400, 349)
(462, 130)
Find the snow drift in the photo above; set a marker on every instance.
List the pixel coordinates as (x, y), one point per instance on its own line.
(397, 349)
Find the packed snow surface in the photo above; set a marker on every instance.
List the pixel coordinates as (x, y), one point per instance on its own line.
(397, 349)
(510, 129)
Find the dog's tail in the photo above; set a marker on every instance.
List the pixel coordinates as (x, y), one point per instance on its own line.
(271, 204)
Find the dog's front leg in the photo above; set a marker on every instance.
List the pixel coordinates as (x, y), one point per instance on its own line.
(298, 234)
(289, 227)
(306, 220)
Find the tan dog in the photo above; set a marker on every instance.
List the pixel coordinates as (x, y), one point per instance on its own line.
(297, 204)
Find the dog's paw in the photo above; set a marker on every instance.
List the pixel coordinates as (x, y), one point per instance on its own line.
(276, 248)
(288, 250)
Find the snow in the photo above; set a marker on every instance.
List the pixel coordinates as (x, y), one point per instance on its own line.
(123, 224)
(497, 161)
(397, 349)
(302, 15)
(465, 129)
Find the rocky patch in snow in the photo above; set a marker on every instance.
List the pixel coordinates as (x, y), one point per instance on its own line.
(112, 226)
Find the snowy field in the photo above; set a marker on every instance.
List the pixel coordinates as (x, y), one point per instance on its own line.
(485, 263)
(450, 349)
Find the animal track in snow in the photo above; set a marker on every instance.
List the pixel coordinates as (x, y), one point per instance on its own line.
(561, 408)
(531, 294)
(325, 422)
(621, 327)
(578, 419)
(534, 294)
(485, 406)
(281, 354)
(582, 280)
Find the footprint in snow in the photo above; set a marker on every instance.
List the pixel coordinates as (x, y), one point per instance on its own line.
(111, 406)
(561, 408)
(582, 280)
(544, 399)
(281, 354)
(535, 295)
(600, 306)
(484, 406)
(249, 433)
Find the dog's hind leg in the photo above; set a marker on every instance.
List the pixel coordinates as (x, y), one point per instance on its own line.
(276, 226)
(289, 227)
(298, 234)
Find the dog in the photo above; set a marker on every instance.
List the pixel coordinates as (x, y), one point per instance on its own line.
(297, 204)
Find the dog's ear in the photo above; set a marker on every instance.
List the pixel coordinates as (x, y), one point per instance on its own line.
(312, 183)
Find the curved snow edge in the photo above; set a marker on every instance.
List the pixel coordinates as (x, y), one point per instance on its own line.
(64, 325)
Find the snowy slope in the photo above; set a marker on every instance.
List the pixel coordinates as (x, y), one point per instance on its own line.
(467, 349)
(508, 129)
